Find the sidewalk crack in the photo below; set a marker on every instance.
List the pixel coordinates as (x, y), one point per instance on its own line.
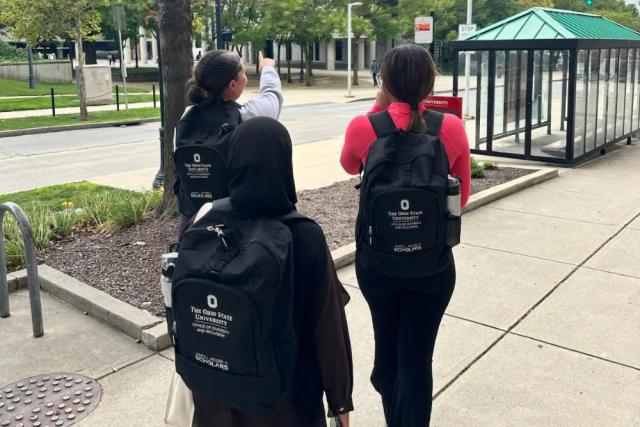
(573, 350)
(530, 310)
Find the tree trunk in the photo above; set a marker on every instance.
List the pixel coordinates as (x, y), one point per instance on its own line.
(301, 62)
(356, 59)
(279, 57)
(309, 58)
(177, 63)
(82, 87)
(136, 52)
(289, 63)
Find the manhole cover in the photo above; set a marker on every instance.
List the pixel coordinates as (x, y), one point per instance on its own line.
(51, 400)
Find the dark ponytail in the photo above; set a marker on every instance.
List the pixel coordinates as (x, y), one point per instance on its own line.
(197, 94)
(408, 74)
(416, 123)
(212, 76)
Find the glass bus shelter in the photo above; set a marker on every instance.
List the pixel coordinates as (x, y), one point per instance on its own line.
(549, 85)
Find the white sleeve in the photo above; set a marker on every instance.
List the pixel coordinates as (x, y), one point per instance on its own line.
(203, 211)
(269, 102)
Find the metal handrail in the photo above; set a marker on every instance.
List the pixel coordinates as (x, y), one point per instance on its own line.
(32, 268)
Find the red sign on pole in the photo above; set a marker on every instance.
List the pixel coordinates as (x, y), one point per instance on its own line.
(445, 104)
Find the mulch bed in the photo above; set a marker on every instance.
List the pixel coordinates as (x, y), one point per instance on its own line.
(126, 264)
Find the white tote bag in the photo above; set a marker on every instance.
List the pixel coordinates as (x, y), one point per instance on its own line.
(180, 408)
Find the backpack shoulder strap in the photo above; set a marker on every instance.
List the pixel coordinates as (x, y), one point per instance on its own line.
(382, 124)
(292, 217)
(433, 120)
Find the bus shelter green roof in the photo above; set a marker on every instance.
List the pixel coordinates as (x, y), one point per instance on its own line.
(540, 23)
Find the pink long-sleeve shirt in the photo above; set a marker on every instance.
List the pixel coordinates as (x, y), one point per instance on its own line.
(360, 135)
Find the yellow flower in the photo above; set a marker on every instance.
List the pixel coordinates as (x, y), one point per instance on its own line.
(67, 205)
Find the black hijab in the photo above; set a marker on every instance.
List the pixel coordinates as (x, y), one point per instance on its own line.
(260, 169)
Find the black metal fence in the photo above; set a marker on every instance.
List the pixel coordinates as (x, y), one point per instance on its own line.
(54, 101)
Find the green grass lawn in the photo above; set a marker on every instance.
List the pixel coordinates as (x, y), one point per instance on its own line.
(72, 119)
(21, 88)
(22, 104)
(55, 212)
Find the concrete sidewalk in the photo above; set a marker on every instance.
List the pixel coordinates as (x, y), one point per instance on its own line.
(542, 329)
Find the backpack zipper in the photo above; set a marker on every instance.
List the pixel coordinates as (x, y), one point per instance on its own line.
(220, 234)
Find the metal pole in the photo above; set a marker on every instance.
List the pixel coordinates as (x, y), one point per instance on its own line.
(158, 181)
(154, 95)
(349, 50)
(467, 62)
(32, 76)
(117, 97)
(53, 102)
(123, 71)
(432, 46)
(32, 268)
(219, 41)
(5, 310)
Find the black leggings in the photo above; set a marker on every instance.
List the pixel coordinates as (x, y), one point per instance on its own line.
(405, 323)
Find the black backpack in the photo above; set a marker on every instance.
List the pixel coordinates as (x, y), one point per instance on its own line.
(232, 304)
(201, 145)
(401, 230)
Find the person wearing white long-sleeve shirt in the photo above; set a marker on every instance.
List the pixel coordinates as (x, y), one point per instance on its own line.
(218, 81)
(269, 102)
(221, 76)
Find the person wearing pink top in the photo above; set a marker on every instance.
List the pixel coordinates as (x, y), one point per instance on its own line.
(406, 313)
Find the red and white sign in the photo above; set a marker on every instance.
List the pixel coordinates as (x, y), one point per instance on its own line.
(445, 104)
(424, 29)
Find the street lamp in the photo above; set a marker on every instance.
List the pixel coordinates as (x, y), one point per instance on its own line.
(349, 6)
(158, 181)
(219, 41)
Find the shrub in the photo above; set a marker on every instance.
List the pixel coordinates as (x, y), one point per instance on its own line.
(489, 165)
(55, 212)
(9, 53)
(477, 170)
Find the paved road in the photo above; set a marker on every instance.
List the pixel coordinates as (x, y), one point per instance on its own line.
(36, 160)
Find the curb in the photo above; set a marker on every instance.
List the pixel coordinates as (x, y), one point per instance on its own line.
(17, 280)
(35, 131)
(132, 321)
(151, 330)
(499, 191)
(346, 255)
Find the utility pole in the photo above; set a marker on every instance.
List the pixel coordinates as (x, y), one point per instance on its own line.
(349, 76)
(467, 63)
(432, 47)
(219, 41)
(118, 15)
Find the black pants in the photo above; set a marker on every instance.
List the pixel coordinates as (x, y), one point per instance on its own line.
(375, 79)
(406, 317)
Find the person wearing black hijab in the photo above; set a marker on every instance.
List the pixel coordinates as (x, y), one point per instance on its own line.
(261, 184)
